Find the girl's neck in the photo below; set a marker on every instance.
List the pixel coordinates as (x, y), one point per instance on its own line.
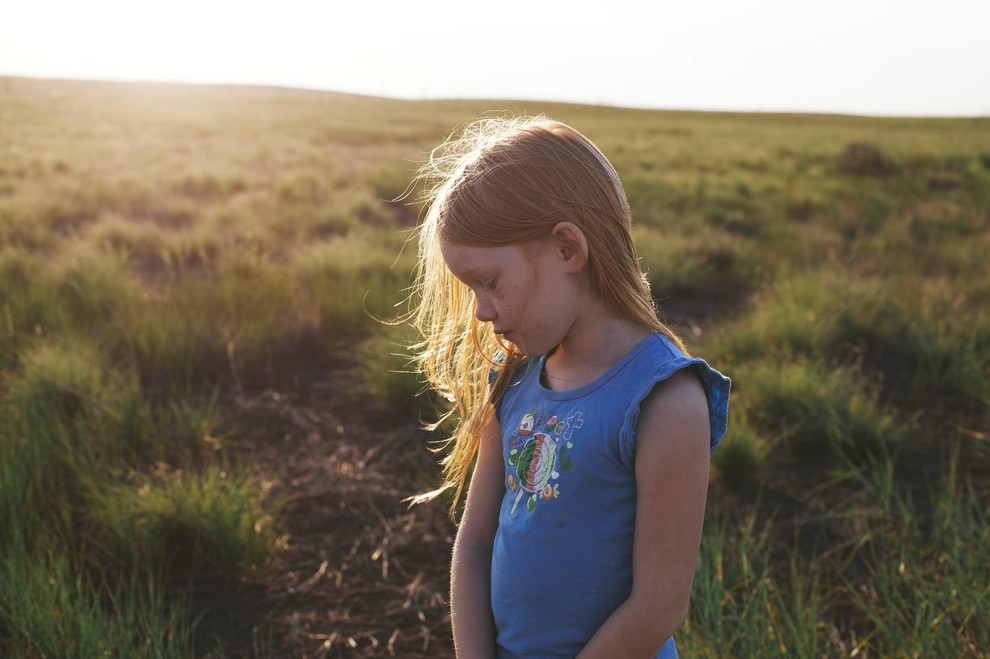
(594, 344)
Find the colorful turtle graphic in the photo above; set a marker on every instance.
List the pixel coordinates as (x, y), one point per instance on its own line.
(534, 465)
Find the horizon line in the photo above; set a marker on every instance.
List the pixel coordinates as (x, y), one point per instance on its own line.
(433, 99)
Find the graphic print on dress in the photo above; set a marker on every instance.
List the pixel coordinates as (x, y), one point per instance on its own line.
(541, 453)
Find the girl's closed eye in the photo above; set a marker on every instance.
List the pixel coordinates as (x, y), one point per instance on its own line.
(490, 284)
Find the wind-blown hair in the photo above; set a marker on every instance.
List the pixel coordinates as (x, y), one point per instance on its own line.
(506, 182)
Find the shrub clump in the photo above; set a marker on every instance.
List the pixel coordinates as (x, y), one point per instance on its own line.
(865, 159)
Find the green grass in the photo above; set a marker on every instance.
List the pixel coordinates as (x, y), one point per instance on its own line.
(164, 246)
(389, 375)
(200, 521)
(103, 497)
(899, 578)
(49, 609)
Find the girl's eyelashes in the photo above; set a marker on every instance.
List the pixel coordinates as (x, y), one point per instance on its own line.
(490, 284)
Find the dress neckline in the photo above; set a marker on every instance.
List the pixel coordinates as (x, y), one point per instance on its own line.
(591, 386)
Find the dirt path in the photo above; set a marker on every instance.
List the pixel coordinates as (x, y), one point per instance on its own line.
(359, 573)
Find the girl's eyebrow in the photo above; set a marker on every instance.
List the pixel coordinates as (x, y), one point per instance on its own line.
(469, 275)
(475, 272)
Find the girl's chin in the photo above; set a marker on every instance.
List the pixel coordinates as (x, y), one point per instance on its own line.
(510, 339)
(523, 347)
(507, 337)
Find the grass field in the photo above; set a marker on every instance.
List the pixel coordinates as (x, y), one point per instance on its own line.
(195, 390)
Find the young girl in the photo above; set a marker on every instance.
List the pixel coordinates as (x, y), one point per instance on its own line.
(588, 428)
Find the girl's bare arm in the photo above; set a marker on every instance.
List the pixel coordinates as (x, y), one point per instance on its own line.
(470, 574)
(672, 462)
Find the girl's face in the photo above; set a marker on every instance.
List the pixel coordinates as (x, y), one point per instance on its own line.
(522, 290)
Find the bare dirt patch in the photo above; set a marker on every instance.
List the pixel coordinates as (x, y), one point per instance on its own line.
(358, 572)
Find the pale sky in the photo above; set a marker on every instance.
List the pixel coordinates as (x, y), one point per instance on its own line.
(851, 56)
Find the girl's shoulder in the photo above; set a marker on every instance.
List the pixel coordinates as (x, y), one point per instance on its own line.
(658, 361)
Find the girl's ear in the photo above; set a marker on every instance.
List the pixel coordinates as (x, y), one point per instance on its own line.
(571, 246)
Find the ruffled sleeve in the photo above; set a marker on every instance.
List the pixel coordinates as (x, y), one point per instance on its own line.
(716, 388)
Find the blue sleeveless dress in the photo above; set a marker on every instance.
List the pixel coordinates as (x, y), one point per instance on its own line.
(562, 559)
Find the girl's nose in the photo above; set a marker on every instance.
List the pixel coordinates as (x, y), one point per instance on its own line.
(484, 311)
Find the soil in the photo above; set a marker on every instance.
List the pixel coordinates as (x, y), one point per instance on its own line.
(358, 572)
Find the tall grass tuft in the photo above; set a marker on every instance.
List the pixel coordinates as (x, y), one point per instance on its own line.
(187, 521)
(66, 423)
(354, 282)
(919, 342)
(903, 577)
(88, 288)
(742, 607)
(743, 454)
(173, 342)
(48, 608)
(917, 577)
(92, 522)
(817, 412)
(390, 375)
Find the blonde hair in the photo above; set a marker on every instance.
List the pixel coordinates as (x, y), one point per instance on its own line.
(506, 182)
